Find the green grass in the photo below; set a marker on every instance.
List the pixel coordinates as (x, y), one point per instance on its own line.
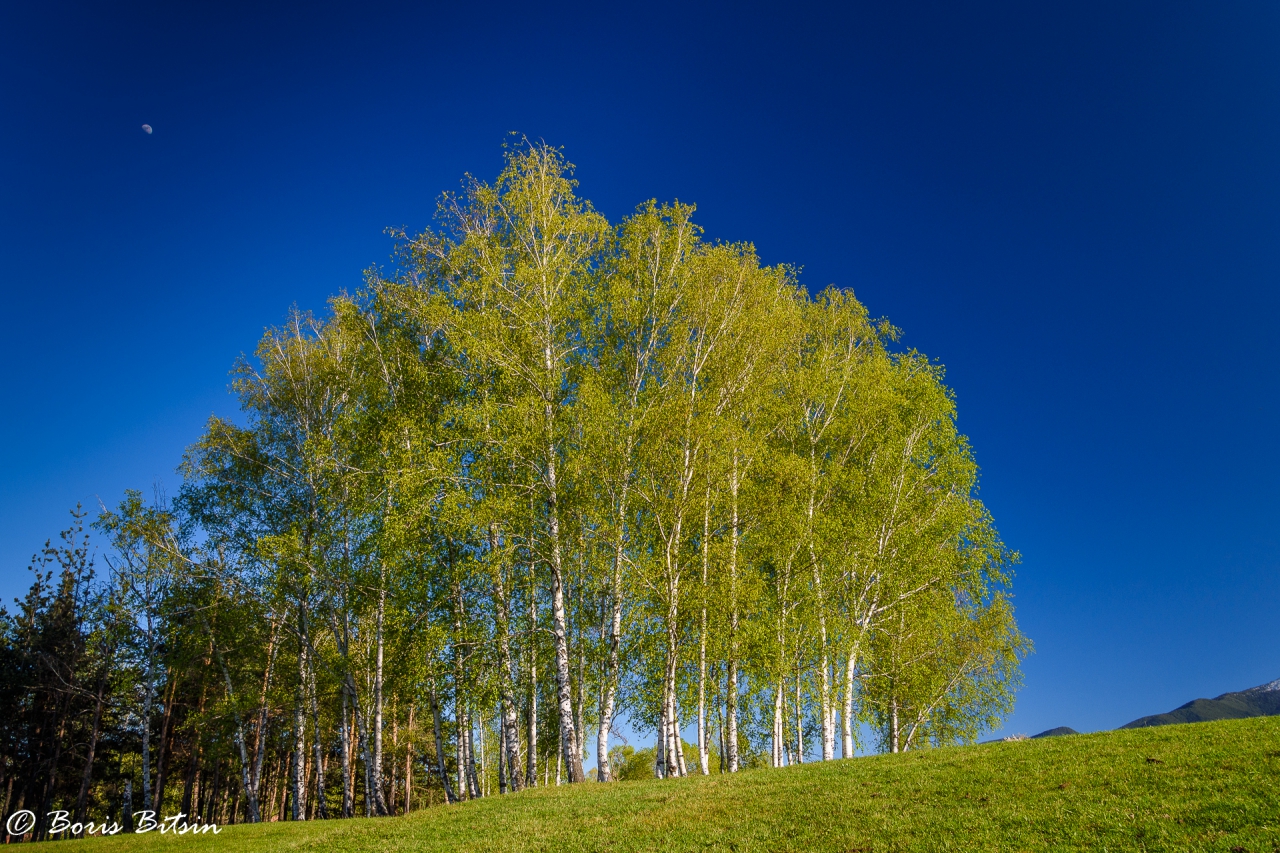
(1203, 786)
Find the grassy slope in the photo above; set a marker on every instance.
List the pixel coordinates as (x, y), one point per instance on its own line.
(1214, 786)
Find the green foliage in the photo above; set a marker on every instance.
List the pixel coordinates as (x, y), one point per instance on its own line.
(544, 470)
(633, 765)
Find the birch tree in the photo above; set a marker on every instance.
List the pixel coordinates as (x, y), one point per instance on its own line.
(541, 472)
(517, 264)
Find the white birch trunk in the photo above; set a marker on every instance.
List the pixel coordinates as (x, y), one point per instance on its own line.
(478, 775)
(703, 758)
(559, 625)
(509, 755)
(669, 678)
(731, 713)
(732, 685)
(777, 724)
(449, 796)
(609, 687)
(846, 714)
(322, 809)
(824, 662)
(344, 744)
(502, 754)
(893, 725)
(361, 717)
(678, 742)
(531, 773)
(799, 722)
(299, 722)
(579, 696)
(461, 727)
(660, 742)
(408, 765)
(379, 801)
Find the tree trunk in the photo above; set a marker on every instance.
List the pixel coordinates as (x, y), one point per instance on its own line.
(363, 718)
(609, 685)
(344, 741)
(83, 797)
(147, 699)
(510, 756)
(799, 721)
(300, 723)
(731, 717)
(828, 713)
(440, 767)
(408, 764)
(824, 684)
(478, 768)
(671, 571)
(462, 726)
(465, 768)
(672, 731)
(677, 742)
(395, 768)
(322, 809)
(731, 686)
(282, 787)
(724, 764)
(531, 772)
(358, 744)
(260, 736)
(193, 764)
(189, 779)
(166, 745)
(559, 624)
(777, 723)
(846, 713)
(672, 579)
(379, 803)
(245, 781)
(660, 742)
(703, 760)
(579, 696)
(893, 724)
(362, 738)
(502, 754)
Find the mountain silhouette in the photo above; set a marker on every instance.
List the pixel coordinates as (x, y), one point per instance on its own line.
(1260, 701)
(1058, 732)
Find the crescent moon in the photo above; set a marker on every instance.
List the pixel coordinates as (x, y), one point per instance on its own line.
(146, 128)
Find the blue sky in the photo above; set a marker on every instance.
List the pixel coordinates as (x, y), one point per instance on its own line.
(1074, 207)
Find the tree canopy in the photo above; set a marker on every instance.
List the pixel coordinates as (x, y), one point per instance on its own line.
(544, 471)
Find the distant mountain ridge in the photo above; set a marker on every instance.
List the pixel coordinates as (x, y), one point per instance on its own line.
(1060, 731)
(1260, 701)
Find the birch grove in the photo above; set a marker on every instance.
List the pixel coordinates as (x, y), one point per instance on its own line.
(543, 476)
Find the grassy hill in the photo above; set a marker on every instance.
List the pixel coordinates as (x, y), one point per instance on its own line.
(1207, 786)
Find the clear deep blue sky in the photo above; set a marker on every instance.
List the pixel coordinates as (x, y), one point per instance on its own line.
(1075, 207)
